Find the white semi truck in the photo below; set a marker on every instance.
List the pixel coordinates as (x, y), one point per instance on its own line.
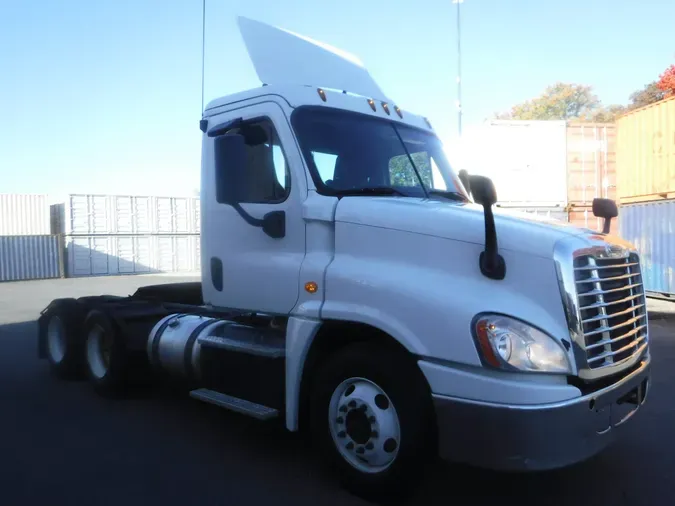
(353, 288)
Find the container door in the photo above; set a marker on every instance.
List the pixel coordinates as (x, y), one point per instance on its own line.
(125, 255)
(143, 255)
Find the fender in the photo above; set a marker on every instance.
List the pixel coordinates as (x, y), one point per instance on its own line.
(425, 291)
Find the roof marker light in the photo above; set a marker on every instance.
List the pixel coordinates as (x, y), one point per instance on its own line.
(371, 103)
(385, 106)
(322, 94)
(398, 111)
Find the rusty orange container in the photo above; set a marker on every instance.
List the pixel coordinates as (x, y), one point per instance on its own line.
(591, 162)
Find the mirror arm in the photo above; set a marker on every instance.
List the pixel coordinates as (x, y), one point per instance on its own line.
(491, 263)
(606, 225)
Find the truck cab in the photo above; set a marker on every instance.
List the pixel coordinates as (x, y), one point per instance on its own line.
(353, 286)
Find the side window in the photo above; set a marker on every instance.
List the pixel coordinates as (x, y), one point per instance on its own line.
(266, 177)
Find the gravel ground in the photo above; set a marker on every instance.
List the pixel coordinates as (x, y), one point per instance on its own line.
(61, 444)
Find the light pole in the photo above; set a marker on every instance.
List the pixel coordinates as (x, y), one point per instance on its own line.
(459, 66)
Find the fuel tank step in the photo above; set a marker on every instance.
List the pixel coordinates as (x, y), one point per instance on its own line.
(235, 404)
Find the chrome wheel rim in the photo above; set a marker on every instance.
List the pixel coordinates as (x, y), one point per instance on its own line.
(56, 339)
(364, 425)
(98, 351)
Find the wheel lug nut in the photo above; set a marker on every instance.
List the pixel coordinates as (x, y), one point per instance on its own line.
(374, 434)
(343, 409)
(363, 408)
(350, 446)
(372, 419)
(342, 434)
(340, 420)
(352, 404)
(369, 446)
(360, 450)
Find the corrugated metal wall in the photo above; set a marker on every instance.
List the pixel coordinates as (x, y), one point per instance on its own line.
(525, 159)
(121, 214)
(29, 257)
(109, 255)
(646, 153)
(651, 228)
(121, 234)
(24, 214)
(591, 162)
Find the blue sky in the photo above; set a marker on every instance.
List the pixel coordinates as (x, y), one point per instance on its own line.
(105, 95)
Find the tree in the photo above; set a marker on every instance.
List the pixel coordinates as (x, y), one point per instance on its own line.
(402, 173)
(648, 95)
(607, 114)
(666, 82)
(560, 101)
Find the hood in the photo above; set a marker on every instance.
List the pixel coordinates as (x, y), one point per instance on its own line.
(516, 231)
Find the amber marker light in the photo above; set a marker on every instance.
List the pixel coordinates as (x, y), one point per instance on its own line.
(482, 329)
(311, 287)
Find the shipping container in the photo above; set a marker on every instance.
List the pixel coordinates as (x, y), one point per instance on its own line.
(525, 159)
(591, 162)
(553, 213)
(646, 153)
(24, 214)
(111, 255)
(25, 257)
(121, 214)
(651, 228)
(583, 217)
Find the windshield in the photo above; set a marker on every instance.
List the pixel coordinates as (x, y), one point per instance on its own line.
(349, 152)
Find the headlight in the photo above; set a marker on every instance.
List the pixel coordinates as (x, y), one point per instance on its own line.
(509, 344)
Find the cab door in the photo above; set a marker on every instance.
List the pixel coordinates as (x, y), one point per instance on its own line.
(253, 232)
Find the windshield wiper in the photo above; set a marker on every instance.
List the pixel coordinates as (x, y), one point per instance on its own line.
(460, 197)
(370, 190)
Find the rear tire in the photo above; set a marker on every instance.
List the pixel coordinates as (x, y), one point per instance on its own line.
(106, 359)
(61, 329)
(371, 417)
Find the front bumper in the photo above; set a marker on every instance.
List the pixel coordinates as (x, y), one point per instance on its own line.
(538, 437)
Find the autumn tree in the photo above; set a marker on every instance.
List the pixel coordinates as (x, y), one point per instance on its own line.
(607, 114)
(666, 82)
(560, 101)
(648, 95)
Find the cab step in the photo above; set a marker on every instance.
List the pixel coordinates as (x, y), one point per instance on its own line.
(234, 404)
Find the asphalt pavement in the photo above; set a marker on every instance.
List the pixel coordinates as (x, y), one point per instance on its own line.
(60, 444)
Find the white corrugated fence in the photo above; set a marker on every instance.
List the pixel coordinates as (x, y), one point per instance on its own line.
(24, 214)
(121, 234)
(94, 235)
(24, 257)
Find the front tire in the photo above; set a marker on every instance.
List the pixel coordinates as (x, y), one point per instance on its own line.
(371, 417)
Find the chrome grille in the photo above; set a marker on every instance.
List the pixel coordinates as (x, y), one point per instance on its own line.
(612, 308)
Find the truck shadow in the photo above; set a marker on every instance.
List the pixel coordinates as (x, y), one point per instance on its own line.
(219, 449)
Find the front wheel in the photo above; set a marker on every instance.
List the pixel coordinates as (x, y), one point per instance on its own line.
(371, 416)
